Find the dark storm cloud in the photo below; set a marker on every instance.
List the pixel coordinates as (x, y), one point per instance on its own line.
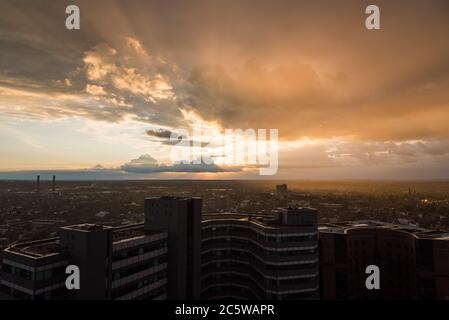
(307, 68)
(316, 64)
(170, 138)
(164, 134)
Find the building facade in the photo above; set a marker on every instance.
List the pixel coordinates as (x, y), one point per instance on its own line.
(260, 257)
(115, 263)
(413, 262)
(181, 218)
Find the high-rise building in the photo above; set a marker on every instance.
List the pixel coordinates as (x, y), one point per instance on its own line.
(413, 262)
(260, 257)
(115, 263)
(181, 218)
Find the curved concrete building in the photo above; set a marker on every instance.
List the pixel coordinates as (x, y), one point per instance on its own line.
(260, 257)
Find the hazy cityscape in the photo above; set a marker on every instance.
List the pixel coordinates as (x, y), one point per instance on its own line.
(26, 213)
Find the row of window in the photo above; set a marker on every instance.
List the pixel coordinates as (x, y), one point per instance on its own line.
(229, 277)
(233, 291)
(261, 267)
(117, 275)
(15, 293)
(238, 254)
(127, 253)
(30, 275)
(249, 232)
(151, 279)
(246, 244)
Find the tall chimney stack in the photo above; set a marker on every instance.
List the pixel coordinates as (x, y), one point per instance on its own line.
(53, 186)
(38, 184)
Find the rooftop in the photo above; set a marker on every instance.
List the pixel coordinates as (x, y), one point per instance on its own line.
(343, 227)
(172, 198)
(129, 232)
(36, 249)
(87, 227)
(267, 221)
(49, 247)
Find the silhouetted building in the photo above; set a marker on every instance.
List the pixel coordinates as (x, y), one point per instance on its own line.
(413, 262)
(115, 263)
(252, 257)
(281, 190)
(260, 257)
(181, 217)
(179, 254)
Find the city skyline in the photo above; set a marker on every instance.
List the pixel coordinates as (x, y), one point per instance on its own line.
(102, 101)
(180, 252)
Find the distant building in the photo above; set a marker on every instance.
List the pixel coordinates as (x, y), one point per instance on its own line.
(281, 190)
(260, 257)
(413, 262)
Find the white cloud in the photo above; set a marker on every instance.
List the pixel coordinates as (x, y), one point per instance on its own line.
(95, 90)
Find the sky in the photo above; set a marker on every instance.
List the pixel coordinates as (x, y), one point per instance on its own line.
(104, 101)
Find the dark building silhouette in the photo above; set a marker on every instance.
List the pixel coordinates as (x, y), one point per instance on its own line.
(115, 263)
(38, 184)
(181, 218)
(413, 262)
(281, 190)
(179, 254)
(261, 257)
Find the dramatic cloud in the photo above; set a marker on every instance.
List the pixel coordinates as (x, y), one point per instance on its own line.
(390, 85)
(102, 64)
(307, 68)
(296, 100)
(95, 90)
(391, 152)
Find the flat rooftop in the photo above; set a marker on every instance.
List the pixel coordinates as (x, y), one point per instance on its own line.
(36, 249)
(342, 227)
(178, 198)
(87, 227)
(49, 247)
(267, 221)
(227, 216)
(131, 231)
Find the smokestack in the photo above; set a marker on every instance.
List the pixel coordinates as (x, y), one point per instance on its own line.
(53, 186)
(38, 184)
